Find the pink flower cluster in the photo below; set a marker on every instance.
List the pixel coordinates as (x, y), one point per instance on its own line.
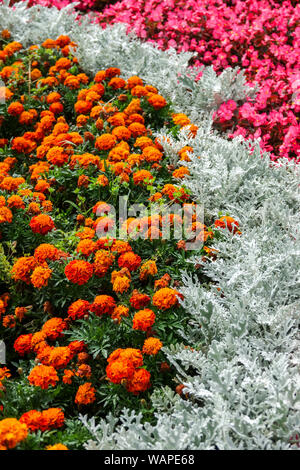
(260, 36)
(83, 5)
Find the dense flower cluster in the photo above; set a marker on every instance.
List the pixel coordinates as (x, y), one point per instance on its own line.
(88, 306)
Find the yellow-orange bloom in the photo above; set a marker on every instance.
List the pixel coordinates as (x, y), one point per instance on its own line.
(12, 432)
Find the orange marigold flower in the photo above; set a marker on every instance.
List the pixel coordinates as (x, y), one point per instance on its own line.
(129, 260)
(54, 327)
(11, 184)
(180, 119)
(152, 154)
(83, 107)
(142, 177)
(133, 107)
(53, 97)
(57, 446)
(181, 172)
(43, 376)
(103, 304)
(21, 145)
(56, 108)
(119, 370)
(134, 81)
(134, 355)
(102, 180)
(119, 312)
(20, 312)
(5, 215)
(228, 222)
(117, 119)
(86, 247)
(102, 262)
(139, 382)
(139, 91)
(38, 341)
(67, 378)
(157, 101)
(42, 224)
(59, 357)
(12, 432)
(162, 282)
(166, 298)
(85, 394)
(4, 374)
(143, 142)
(138, 300)
(9, 321)
(15, 108)
(152, 346)
(81, 120)
(143, 319)
(22, 268)
(105, 142)
(121, 133)
(42, 186)
(45, 251)
(112, 72)
(40, 276)
(121, 283)
(23, 344)
(149, 268)
(55, 418)
(34, 420)
(100, 76)
(116, 83)
(77, 346)
(57, 156)
(86, 232)
(84, 370)
(79, 272)
(137, 129)
(79, 309)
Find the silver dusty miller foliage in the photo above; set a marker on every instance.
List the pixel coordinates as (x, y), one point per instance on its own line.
(243, 382)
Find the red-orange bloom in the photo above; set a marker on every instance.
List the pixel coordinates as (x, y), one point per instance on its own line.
(143, 319)
(43, 376)
(42, 224)
(85, 394)
(79, 272)
(139, 382)
(79, 309)
(166, 298)
(103, 304)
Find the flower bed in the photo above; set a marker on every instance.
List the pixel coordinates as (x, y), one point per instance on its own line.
(261, 37)
(183, 340)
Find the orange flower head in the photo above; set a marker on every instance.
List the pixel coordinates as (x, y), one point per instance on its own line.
(103, 304)
(152, 346)
(54, 328)
(40, 276)
(143, 319)
(79, 309)
(43, 376)
(79, 272)
(166, 298)
(85, 394)
(139, 300)
(139, 382)
(41, 224)
(12, 432)
(23, 344)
